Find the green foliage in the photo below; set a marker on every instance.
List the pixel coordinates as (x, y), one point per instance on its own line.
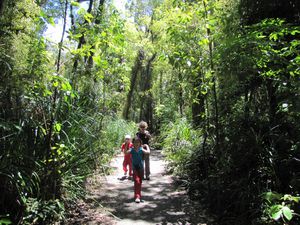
(278, 46)
(221, 91)
(38, 212)
(4, 221)
(179, 140)
(279, 207)
(53, 123)
(114, 132)
(255, 72)
(78, 152)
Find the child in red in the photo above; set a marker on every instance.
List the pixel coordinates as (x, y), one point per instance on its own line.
(127, 156)
(137, 153)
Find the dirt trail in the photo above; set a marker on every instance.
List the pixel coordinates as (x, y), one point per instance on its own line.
(110, 199)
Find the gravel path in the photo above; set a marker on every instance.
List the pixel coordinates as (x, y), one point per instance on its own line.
(110, 199)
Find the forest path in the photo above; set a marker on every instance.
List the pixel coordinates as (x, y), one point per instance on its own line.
(110, 199)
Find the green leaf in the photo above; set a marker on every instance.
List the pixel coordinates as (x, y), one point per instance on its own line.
(51, 21)
(274, 36)
(212, 21)
(55, 84)
(294, 32)
(277, 215)
(57, 127)
(276, 211)
(66, 86)
(43, 130)
(204, 41)
(97, 59)
(295, 199)
(287, 212)
(73, 3)
(271, 196)
(5, 221)
(88, 17)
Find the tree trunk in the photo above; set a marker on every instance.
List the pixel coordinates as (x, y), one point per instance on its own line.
(52, 190)
(89, 62)
(1, 6)
(180, 94)
(81, 42)
(215, 98)
(146, 109)
(134, 74)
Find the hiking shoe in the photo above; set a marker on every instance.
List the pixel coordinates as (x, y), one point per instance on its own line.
(147, 178)
(137, 200)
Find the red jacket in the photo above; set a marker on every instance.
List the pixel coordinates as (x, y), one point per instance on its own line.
(128, 147)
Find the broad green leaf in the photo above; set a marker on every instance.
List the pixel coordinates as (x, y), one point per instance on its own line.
(287, 212)
(276, 212)
(277, 215)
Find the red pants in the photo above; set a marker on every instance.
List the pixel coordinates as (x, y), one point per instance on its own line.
(127, 162)
(137, 176)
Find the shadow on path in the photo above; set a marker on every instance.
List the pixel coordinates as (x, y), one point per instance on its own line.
(163, 202)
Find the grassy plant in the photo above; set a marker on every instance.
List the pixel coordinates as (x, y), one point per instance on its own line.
(113, 133)
(179, 141)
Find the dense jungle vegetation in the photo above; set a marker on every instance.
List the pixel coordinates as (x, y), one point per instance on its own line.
(216, 80)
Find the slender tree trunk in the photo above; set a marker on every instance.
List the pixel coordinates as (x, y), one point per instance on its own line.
(215, 103)
(180, 93)
(81, 42)
(98, 20)
(51, 180)
(72, 19)
(134, 74)
(215, 98)
(62, 38)
(146, 112)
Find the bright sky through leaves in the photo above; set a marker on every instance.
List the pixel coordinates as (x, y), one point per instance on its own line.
(53, 33)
